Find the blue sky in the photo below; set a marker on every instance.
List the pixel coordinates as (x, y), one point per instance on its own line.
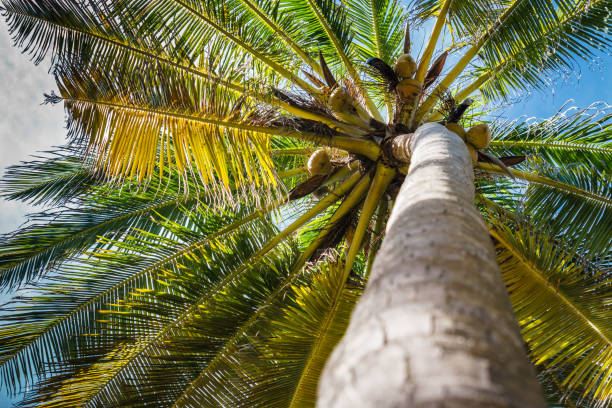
(27, 126)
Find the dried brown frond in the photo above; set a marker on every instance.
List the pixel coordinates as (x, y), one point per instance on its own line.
(314, 79)
(329, 77)
(435, 70)
(307, 187)
(512, 160)
(302, 101)
(336, 234)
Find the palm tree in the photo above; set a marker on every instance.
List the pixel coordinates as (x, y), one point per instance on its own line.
(232, 169)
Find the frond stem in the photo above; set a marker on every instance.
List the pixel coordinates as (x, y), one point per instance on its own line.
(352, 144)
(463, 62)
(382, 179)
(492, 168)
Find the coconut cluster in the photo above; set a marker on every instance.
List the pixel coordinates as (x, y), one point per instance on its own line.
(408, 88)
(477, 137)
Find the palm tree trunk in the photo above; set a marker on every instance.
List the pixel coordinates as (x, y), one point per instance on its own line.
(434, 327)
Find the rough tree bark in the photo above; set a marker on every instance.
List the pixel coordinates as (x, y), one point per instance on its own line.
(434, 327)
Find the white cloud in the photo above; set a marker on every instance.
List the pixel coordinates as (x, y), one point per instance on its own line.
(26, 126)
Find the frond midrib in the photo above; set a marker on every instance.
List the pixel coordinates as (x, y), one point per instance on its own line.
(356, 145)
(552, 144)
(577, 191)
(9, 196)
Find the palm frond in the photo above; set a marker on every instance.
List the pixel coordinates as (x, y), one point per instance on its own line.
(579, 31)
(224, 382)
(298, 341)
(73, 34)
(150, 326)
(53, 179)
(575, 203)
(377, 28)
(220, 27)
(39, 327)
(518, 23)
(570, 137)
(327, 21)
(131, 134)
(585, 219)
(562, 309)
(267, 12)
(52, 237)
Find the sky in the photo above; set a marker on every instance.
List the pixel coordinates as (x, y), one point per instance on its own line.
(27, 126)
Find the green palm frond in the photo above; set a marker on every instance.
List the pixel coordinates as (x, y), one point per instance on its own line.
(568, 138)
(162, 314)
(585, 219)
(378, 27)
(579, 33)
(52, 237)
(267, 13)
(324, 24)
(511, 28)
(327, 22)
(133, 266)
(562, 308)
(69, 33)
(52, 179)
(574, 203)
(217, 26)
(298, 341)
(40, 326)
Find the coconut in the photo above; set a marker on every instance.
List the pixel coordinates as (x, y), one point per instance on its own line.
(319, 163)
(473, 153)
(408, 89)
(344, 107)
(479, 136)
(405, 66)
(457, 129)
(340, 100)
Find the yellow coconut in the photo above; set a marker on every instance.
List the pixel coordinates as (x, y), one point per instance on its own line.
(344, 107)
(408, 89)
(479, 136)
(457, 129)
(340, 100)
(405, 66)
(319, 163)
(473, 153)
